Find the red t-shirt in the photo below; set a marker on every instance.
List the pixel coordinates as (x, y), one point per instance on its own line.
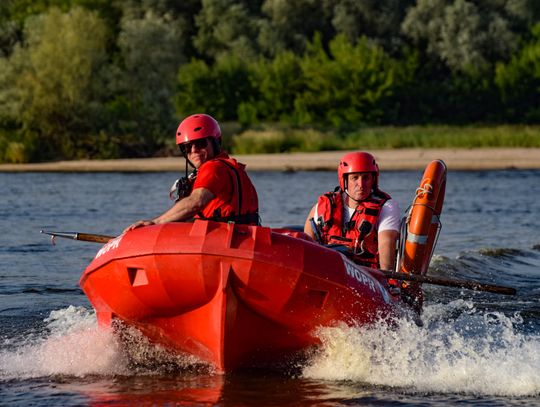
(213, 176)
(221, 181)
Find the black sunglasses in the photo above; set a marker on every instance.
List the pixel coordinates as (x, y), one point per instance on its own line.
(199, 144)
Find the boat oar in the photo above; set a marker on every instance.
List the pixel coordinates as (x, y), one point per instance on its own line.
(471, 285)
(85, 237)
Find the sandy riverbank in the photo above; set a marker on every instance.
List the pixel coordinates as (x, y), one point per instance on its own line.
(398, 159)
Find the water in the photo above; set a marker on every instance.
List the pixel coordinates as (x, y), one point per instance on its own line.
(474, 348)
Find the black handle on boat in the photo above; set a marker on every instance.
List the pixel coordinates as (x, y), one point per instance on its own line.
(85, 237)
(471, 285)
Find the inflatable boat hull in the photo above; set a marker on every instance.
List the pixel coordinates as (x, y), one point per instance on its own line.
(231, 295)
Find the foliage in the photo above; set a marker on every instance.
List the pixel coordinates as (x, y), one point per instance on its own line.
(467, 34)
(101, 78)
(277, 139)
(220, 90)
(224, 27)
(378, 20)
(340, 87)
(292, 24)
(54, 97)
(345, 85)
(278, 82)
(144, 93)
(421, 97)
(519, 81)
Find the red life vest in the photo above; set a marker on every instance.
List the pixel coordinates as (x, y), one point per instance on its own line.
(360, 233)
(242, 206)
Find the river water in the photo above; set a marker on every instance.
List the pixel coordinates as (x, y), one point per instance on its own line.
(474, 348)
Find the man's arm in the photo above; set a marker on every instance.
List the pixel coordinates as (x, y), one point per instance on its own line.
(387, 249)
(182, 210)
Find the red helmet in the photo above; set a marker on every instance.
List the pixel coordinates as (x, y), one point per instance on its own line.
(356, 162)
(198, 126)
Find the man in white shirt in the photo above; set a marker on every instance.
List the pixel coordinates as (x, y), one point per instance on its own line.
(358, 214)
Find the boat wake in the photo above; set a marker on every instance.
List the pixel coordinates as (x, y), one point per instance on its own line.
(517, 268)
(481, 344)
(144, 357)
(458, 350)
(71, 344)
(510, 266)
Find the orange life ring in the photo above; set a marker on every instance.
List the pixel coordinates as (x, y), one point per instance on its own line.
(423, 220)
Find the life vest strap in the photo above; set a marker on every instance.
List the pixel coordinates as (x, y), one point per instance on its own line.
(238, 183)
(243, 219)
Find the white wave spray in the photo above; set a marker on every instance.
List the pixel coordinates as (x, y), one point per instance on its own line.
(72, 344)
(477, 353)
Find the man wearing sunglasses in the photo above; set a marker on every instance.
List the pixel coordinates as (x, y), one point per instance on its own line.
(221, 189)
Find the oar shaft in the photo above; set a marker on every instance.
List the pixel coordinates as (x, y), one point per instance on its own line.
(85, 237)
(472, 285)
(88, 237)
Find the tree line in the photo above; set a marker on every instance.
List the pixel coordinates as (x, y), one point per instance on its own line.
(104, 79)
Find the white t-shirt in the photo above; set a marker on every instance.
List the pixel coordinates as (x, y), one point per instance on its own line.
(389, 219)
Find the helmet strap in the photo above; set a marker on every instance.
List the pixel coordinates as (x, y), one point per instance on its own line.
(347, 193)
(345, 185)
(188, 162)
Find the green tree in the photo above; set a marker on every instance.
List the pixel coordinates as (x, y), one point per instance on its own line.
(290, 25)
(9, 36)
(347, 85)
(49, 82)
(219, 89)
(378, 20)
(181, 13)
(468, 34)
(224, 27)
(17, 11)
(279, 81)
(519, 81)
(151, 53)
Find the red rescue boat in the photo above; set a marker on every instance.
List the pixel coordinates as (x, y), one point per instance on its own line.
(232, 295)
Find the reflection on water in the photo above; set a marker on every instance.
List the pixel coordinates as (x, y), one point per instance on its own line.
(233, 390)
